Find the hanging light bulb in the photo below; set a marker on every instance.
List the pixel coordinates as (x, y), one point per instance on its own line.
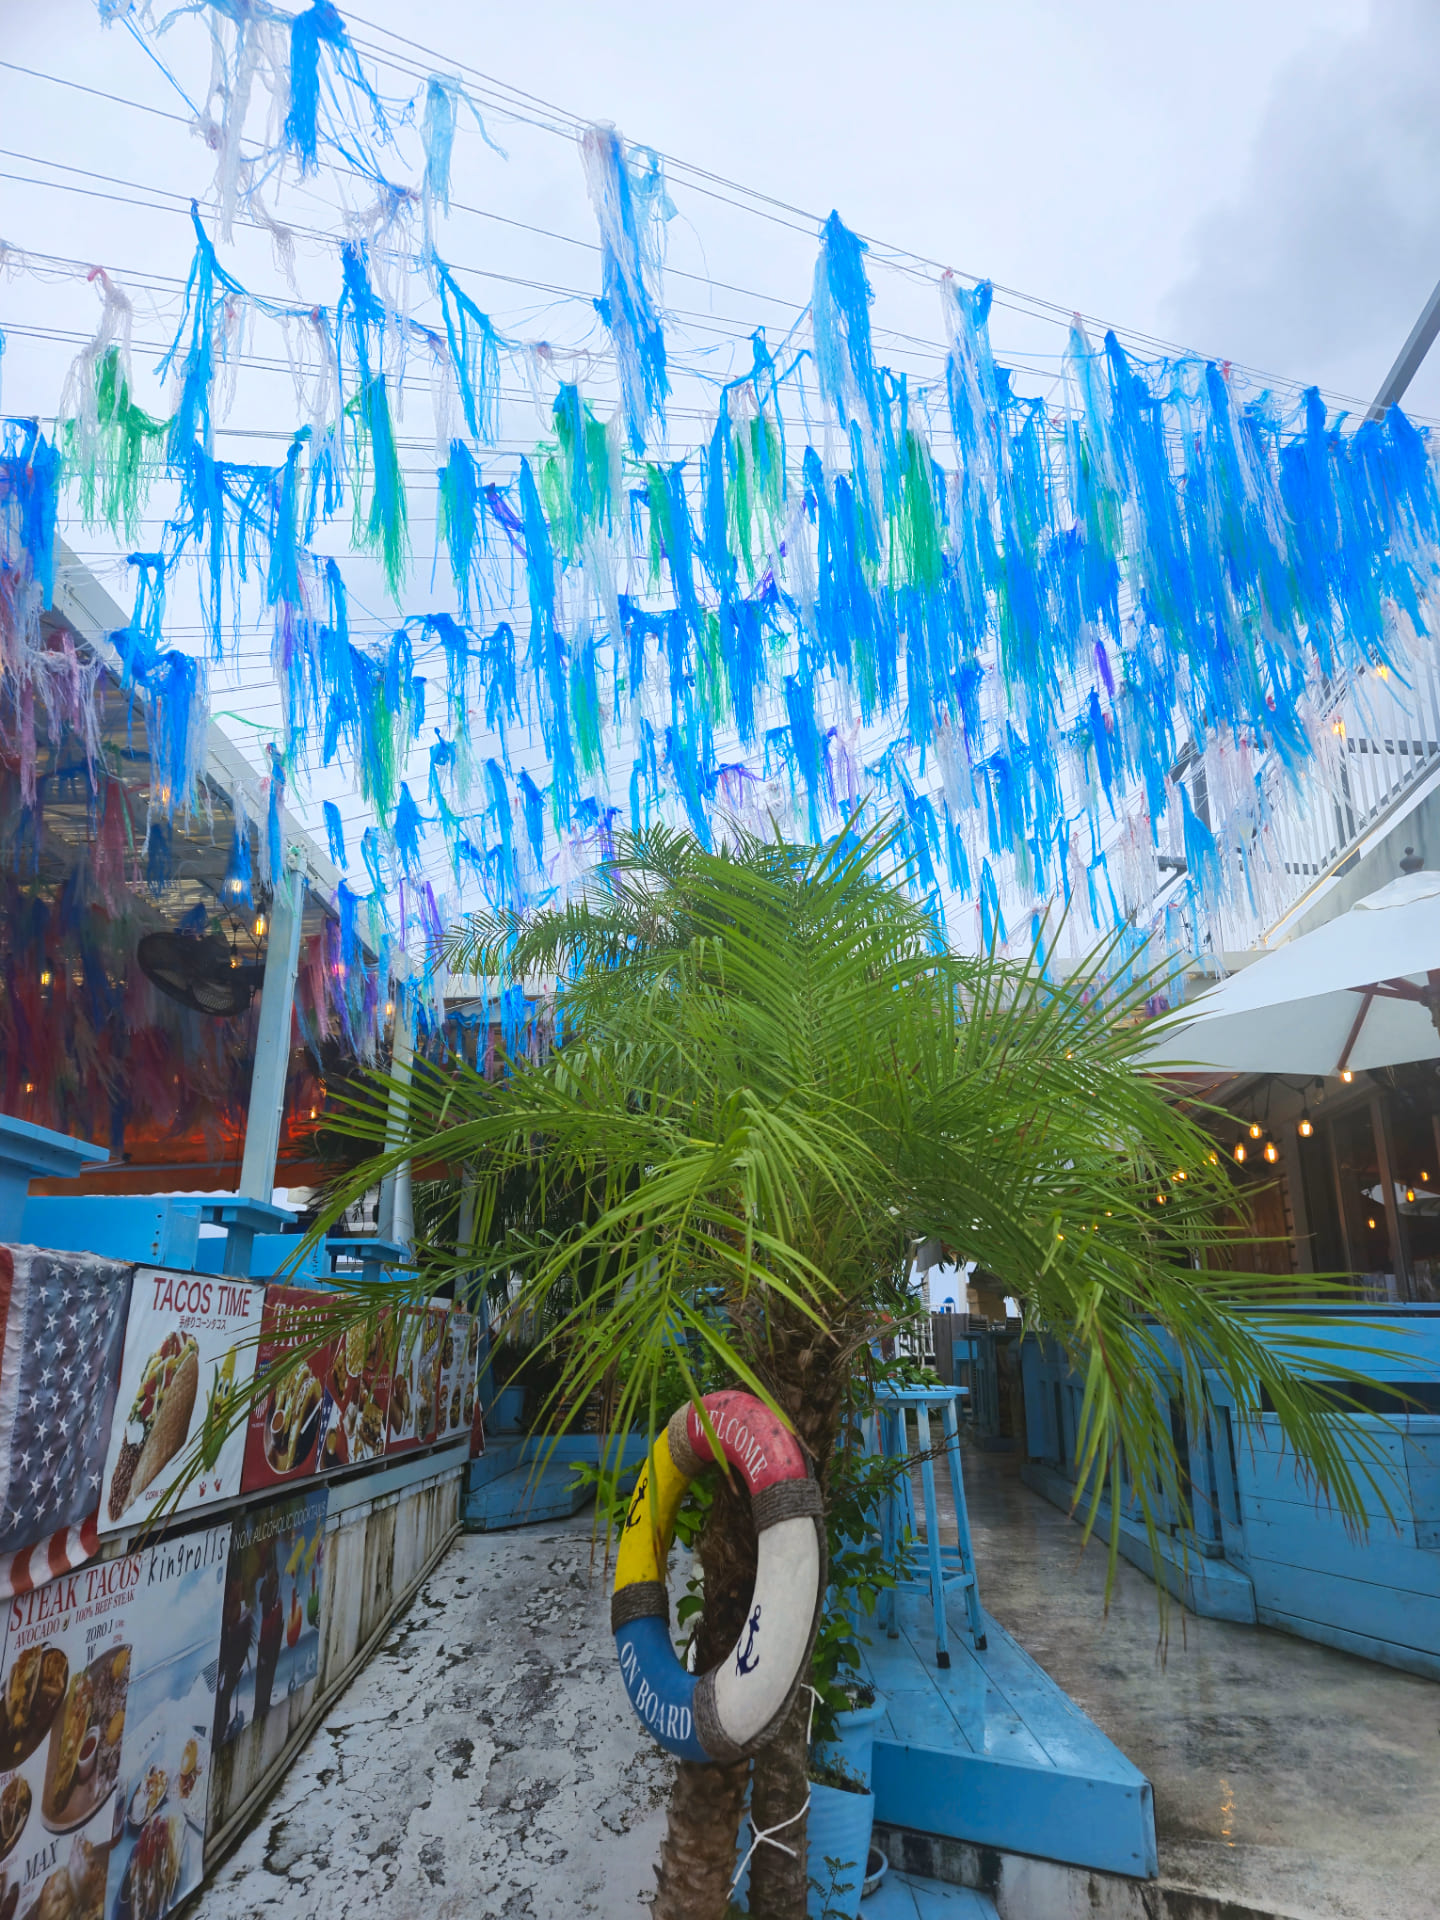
(1410, 1195)
(1371, 1223)
(260, 925)
(1240, 1150)
(1346, 1075)
(1306, 1127)
(1272, 1152)
(1213, 1158)
(1256, 1130)
(46, 976)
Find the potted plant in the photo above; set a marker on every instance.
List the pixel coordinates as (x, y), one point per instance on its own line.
(853, 1743)
(842, 1813)
(848, 1707)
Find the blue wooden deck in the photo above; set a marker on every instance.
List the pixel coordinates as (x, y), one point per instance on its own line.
(991, 1751)
(521, 1480)
(902, 1896)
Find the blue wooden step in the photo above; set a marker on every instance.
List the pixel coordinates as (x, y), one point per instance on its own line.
(904, 1896)
(991, 1751)
(524, 1495)
(524, 1478)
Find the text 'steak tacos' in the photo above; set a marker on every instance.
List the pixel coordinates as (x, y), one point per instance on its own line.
(159, 1419)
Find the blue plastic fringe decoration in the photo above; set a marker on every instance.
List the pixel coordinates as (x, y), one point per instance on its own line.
(236, 889)
(335, 834)
(627, 191)
(1012, 625)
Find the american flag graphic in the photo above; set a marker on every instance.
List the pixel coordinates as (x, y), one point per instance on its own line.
(63, 1316)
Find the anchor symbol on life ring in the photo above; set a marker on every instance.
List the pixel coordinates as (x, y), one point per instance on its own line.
(746, 1658)
(637, 1505)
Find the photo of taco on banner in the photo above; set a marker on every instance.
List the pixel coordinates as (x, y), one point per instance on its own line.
(158, 1421)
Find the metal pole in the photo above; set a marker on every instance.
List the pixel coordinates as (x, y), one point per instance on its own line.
(1422, 338)
(253, 1209)
(272, 1040)
(396, 1220)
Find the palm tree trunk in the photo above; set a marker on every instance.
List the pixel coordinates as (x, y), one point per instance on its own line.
(778, 1880)
(810, 1386)
(697, 1855)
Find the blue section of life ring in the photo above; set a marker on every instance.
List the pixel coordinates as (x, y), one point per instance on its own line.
(661, 1691)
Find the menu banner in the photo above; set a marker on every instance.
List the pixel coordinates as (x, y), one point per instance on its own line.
(65, 1682)
(359, 1385)
(103, 1671)
(189, 1348)
(459, 1366)
(157, 1855)
(291, 1418)
(414, 1389)
(274, 1597)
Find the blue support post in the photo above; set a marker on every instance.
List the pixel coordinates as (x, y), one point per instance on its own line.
(396, 1221)
(253, 1211)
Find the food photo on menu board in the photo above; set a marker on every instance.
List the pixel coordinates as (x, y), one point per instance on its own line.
(158, 1818)
(291, 1415)
(413, 1390)
(271, 1615)
(359, 1386)
(189, 1348)
(81, 1706)
(459, 1366)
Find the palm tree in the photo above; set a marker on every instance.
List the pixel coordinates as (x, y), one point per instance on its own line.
(773, 1078)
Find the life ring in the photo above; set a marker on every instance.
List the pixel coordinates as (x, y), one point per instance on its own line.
(728, 1712)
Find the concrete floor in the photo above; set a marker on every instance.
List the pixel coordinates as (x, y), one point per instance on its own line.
(1289, 1777)
(485, 1765)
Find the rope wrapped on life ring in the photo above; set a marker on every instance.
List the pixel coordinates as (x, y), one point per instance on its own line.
(728, 1712)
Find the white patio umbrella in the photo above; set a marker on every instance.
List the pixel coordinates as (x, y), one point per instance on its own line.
(1361, 991)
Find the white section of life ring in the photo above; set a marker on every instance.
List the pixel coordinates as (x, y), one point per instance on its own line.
(787, 1586)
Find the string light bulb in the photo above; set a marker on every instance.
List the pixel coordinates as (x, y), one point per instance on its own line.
(46, 976)
(1256, 1130)
(1410, 1195)
(1306, 1127)
(1346, 1075)
(1240, 1151)
(1272, 1152)
(260, 925)
(1371, 1223)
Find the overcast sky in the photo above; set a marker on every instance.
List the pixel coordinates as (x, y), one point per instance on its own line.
(1258, 178)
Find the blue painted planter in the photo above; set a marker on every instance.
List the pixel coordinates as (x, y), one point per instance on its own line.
(508, 1410)
(839, 1831)
(854, 1744)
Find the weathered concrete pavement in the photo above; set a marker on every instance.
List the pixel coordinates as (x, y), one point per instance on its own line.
(1288, 1778)
(486, 1764)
